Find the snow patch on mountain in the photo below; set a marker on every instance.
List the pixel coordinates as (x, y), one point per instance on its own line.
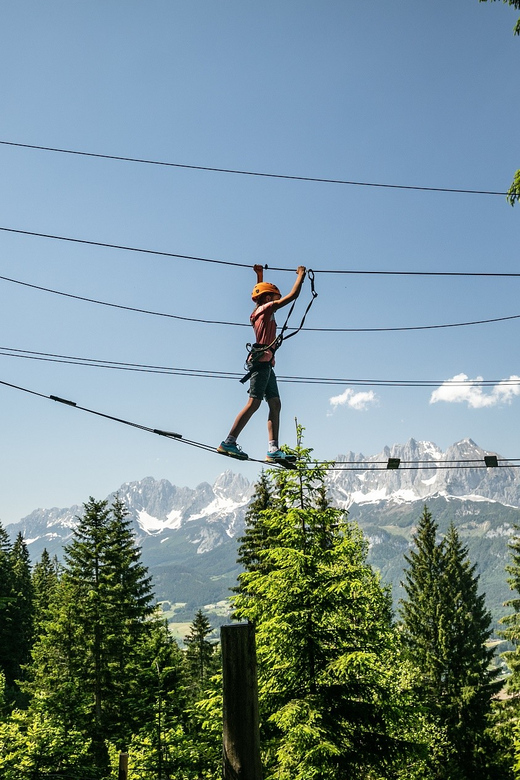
(218, 507)
(502, 530)
(152, 525)
(451, 475)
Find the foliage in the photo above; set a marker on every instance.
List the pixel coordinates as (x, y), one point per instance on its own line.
(101, 648)
(508, 711)
(16, 614)
(329, 695)
(446, 628)
(511, 632)
(3, 708)
(343, 691)
(514, 4)
(255, 537)
(105, 672)
(200, 654)
(45, 577)
(514, 191)
(502, 732)
(184, 748)
(33, 743)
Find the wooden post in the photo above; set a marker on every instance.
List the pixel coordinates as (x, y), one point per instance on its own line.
(241, 737)
(123, 766)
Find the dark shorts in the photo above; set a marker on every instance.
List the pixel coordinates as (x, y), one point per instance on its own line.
(263, 382)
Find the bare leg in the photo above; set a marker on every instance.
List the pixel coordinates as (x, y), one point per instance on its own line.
(244, 416)
(273, 421)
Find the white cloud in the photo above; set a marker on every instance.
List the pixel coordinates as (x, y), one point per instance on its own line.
(452, 391)
(359, 401)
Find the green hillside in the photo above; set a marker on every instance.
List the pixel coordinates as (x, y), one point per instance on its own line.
(190, 580)
(484, 526)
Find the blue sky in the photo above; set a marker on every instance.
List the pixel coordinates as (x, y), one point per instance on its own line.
(408, 93)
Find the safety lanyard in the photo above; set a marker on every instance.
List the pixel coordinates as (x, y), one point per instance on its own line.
(277, 343)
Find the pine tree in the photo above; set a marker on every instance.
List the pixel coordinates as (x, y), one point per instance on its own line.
(45, 576)
(16, 613)
(446, 627)
(200, 652)
(255, 536)
(420, 609)
(5, 600)
(508, 711)
(511, 632)
(3, 704)
(20, 611)
(474, 677)
(94, 664)
(324, 637)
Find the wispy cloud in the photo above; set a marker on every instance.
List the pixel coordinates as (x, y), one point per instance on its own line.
(475, 396)
(359, 401)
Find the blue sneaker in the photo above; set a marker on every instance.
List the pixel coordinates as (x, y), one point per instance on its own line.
(279, 455)
(233, 450)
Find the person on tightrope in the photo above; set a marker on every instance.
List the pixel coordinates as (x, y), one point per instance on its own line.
(268, 300)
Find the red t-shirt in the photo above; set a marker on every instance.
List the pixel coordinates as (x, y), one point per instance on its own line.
(264, 324)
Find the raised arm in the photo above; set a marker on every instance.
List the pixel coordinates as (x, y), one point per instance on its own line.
(297, 286)
(259, 270)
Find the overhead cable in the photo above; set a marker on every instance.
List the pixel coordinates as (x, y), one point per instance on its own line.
(348, 271)
(213, 374)
(251, 173)
(329, 465)
(128, 248)
(121, 306)
(246, 325)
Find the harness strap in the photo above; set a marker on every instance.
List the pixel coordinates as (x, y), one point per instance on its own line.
(281, 337)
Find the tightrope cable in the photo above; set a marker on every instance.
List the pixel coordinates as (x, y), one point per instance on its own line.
(330, 465)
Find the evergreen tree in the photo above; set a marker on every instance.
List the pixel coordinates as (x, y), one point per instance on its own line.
(200, 652)
(420, 610)
(187, 746)
(446, 627)
(16, 613)
(325, 643)
(5, 600)
(33, 747)
(164, 718)
(507, 711)
(20, 610)
(94, 664)
(3, 708)
(255, 538)
(511, 632)
(472, 682)
(45, 577)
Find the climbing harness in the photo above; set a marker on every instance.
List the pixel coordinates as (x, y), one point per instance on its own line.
(256, 351)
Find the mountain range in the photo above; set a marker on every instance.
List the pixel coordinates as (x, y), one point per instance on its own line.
(189, 536)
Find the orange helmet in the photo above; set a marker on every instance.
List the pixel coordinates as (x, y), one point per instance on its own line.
(264, 287)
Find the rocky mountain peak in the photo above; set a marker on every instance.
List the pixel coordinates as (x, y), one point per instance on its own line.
(232, 485)
(208, 515)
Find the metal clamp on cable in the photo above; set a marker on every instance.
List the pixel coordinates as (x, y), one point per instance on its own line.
(62, 400)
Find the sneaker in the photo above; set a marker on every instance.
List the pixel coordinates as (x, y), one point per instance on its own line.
(233, 450)
(278, 455)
